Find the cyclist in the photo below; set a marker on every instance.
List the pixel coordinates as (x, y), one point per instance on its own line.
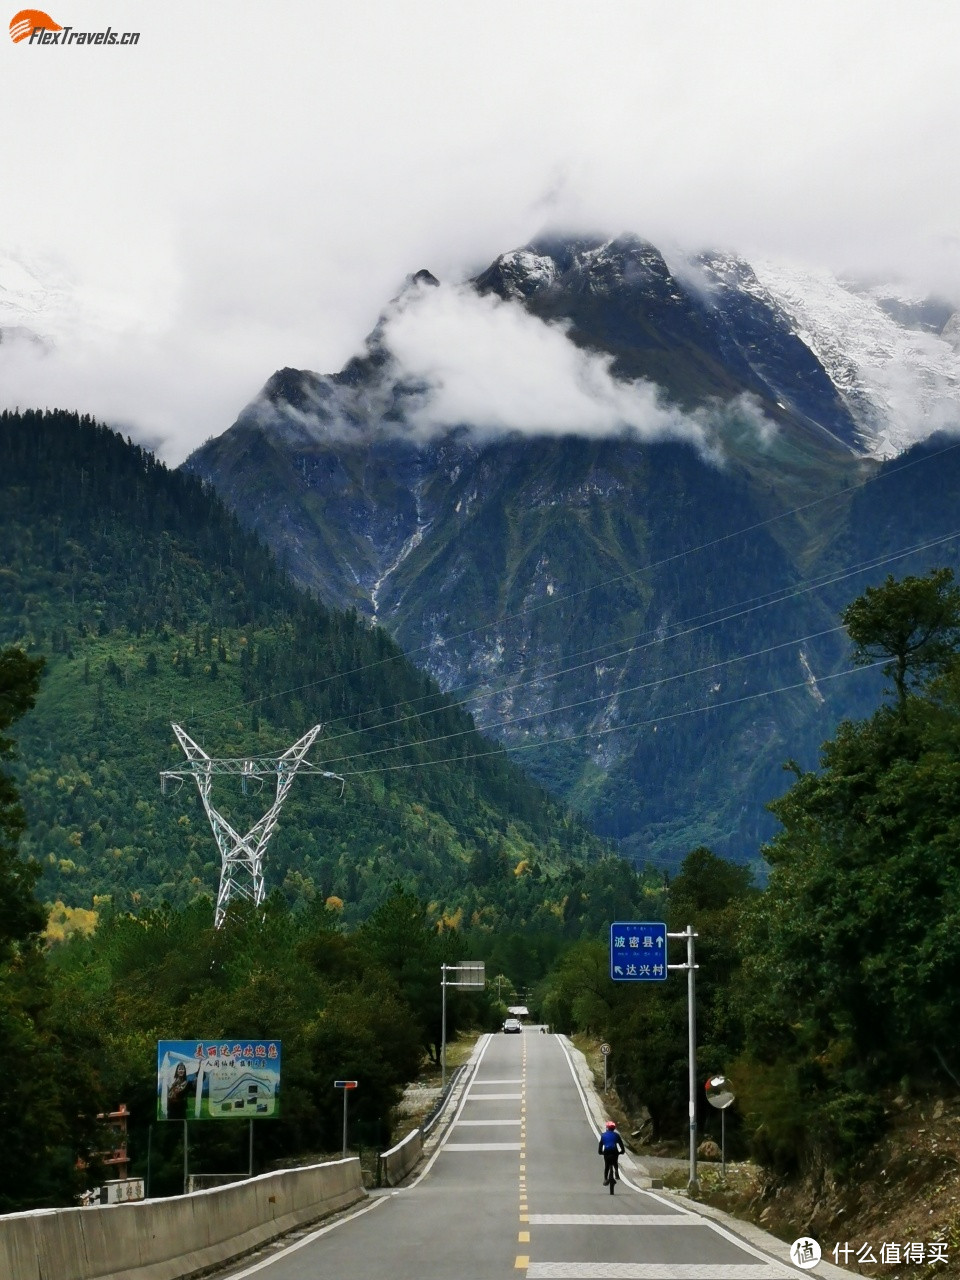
(610, 1147)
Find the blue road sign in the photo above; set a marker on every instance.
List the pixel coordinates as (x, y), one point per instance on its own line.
(638, 952)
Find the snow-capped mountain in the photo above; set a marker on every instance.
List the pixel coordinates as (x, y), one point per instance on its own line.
(29, 308)
(563, 486)
(899, 377)
(40, 302)
(877, 367)
(593, 589)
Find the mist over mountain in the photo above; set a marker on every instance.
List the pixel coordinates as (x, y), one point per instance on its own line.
(614, 504)
(612, 500)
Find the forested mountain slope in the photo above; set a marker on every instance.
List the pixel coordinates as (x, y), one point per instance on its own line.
(644, 611)
(151, 605)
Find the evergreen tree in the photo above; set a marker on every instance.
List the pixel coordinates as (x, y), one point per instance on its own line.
(21, 916)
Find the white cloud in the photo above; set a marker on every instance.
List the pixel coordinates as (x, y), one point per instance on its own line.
(254, 181)
(491, 364)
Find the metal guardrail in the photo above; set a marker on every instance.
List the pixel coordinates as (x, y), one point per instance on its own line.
(434, 1114)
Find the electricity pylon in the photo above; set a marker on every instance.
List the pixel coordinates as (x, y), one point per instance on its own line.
(241, 857)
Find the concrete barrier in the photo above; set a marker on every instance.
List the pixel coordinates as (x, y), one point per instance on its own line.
(175, 1238)
(395, 1164)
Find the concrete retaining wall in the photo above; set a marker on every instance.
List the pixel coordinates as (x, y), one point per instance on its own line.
(396, 1163)
(172, 1239)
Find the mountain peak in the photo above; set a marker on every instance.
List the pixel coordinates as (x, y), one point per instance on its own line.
(595, 263)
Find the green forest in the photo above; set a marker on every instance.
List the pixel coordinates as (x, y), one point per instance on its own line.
(150, 605)
(837, 984)
(132, 599)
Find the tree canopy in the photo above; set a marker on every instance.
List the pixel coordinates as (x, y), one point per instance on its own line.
(914, 622)
(21, 916)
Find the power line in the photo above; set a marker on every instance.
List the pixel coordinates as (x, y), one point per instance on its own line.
(599, 733)
(763, 602)
(556, 600)
(585, 702)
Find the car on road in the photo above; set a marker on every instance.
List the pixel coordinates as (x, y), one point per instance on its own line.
(513, 1025)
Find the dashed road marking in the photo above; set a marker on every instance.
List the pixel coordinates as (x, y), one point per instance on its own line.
(657, 1271)
(614, 1220)
(476, 1123)
(482, 1146)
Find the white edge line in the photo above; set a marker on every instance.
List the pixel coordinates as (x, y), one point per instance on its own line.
(769, 1259)
(722, 1231)
(451, 1125)
(351, 1217)
(590, 1120)
(314, 1235)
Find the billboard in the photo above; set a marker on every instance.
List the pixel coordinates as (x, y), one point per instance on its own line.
(218, 1079)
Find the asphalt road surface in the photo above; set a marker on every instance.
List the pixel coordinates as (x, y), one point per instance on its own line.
(515, 1189)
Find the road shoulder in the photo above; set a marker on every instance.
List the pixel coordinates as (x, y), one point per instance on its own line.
(640, 1174)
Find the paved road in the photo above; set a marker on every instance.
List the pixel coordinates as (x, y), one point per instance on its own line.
(515, 1189)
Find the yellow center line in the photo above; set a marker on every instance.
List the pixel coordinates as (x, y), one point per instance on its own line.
(523, 1237)
(522, 1262)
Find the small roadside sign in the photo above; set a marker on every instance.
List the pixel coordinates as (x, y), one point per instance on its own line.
(604, 1049)
(638, 951)
(346, 1086)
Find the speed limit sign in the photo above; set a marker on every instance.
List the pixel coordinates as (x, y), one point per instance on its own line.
(604, 1049)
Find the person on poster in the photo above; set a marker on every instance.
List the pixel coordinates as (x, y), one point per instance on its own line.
(180, 1089)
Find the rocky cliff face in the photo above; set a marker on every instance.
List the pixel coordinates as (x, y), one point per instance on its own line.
(617, 604)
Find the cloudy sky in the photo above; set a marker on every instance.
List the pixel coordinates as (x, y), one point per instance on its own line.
(248, 185)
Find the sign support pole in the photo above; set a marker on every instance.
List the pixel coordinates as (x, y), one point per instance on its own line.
(443, 1027)
(250, 1122)
(693, 1183)
(468, 973)
(605, 1051)
(720, 1095)
(346, 1086)
(186, 1159)
(630, 941)
(691, 968)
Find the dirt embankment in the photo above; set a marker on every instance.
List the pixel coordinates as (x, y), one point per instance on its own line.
(897, 1215)
(900, 1206)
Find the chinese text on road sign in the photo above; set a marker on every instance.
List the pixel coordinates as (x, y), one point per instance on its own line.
(638, 952)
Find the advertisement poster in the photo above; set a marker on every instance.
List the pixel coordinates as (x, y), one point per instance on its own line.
(218, 1079)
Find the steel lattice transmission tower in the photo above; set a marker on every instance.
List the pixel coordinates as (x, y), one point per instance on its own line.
(241, 857)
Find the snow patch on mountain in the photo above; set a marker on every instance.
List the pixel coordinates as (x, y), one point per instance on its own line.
(40, 302)
(901, 384)
(525, 271)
